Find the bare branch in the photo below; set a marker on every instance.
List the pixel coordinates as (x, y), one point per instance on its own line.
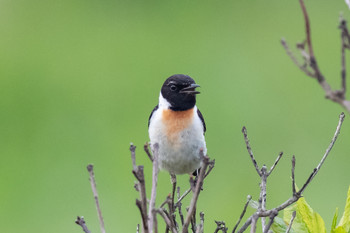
(183, 196)
(292, 56)
(272, 217)
(81, 222)
(337, 96)
(244, 131)
(210, 168)
(152, 203)
(275, 164)
(314, 173)
(196, 193)
(90, 169)
(243, 213)
(166, 219)
(146, 149)
(171, 204)
(291, 222)
(262, 199)
(293, 176)
(200, 228)
(255, 218)
(252, 219)
(141, 187)
(220, 226)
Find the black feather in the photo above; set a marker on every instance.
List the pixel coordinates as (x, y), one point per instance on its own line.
(150, 116)
(202, 119)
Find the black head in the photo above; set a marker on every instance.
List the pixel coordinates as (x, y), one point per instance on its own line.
(179, 91)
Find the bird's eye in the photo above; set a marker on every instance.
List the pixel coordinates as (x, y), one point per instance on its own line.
(173, 88)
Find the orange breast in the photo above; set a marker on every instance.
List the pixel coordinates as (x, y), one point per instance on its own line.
(176, 121)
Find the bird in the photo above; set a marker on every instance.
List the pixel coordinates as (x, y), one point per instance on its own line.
(178, 127)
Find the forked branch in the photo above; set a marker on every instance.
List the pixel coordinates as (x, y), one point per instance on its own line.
(311, 68)
(261, 212)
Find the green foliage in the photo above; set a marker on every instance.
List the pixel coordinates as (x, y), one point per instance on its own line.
(309, 221)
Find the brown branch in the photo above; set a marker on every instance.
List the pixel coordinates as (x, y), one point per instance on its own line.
(220, 226)
(146, 149)
(200, 228)
(275, 164)
(293, 175)
(244, 131)
(172, 207)
(294, 59)
(262, 199)
(255, 218)
(81, 222)
(337, 96)
(314, 173)
(210, 167)
(179, 205)
(272, 217)
(141, 187)
(152, 203)
(291, 222)
(166, 219)
(295, 197)
(242, 214)
(183, 196)
(90, 169)
(205, 163)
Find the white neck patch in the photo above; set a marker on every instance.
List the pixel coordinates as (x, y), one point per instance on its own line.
(163, 103)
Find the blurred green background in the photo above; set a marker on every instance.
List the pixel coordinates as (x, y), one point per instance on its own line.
(79, 79)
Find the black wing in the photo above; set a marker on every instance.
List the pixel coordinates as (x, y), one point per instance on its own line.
(150, 116)
(202, 119)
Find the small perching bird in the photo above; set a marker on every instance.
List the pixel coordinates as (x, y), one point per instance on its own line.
(178, 127)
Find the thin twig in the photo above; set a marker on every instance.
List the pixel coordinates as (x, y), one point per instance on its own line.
(275, 164)
(196, 193)
(295, 197)
(337, 96)
(172, 206)
(81, 222)
(314, 173)
(141, 187)
(244, 131)
(293, 175)
(90, 169)
(291, 222)
(152, 203)
(210, 167)
(294, 59)
(243, 213)
(166, 219)
(193, 220)
(146, 149)
(179, 205)
(262, 199)
(272, 217)
(183, 196)
(220, 226)
(200, 228)
(255, 218)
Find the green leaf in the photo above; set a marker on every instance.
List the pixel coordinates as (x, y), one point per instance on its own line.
(345, 219)
(298, 224)
(278, 225)
(339, 230)
(312, 219)
(306, 220)
(334, 222)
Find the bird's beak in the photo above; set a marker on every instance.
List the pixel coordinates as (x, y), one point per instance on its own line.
(190, 89)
